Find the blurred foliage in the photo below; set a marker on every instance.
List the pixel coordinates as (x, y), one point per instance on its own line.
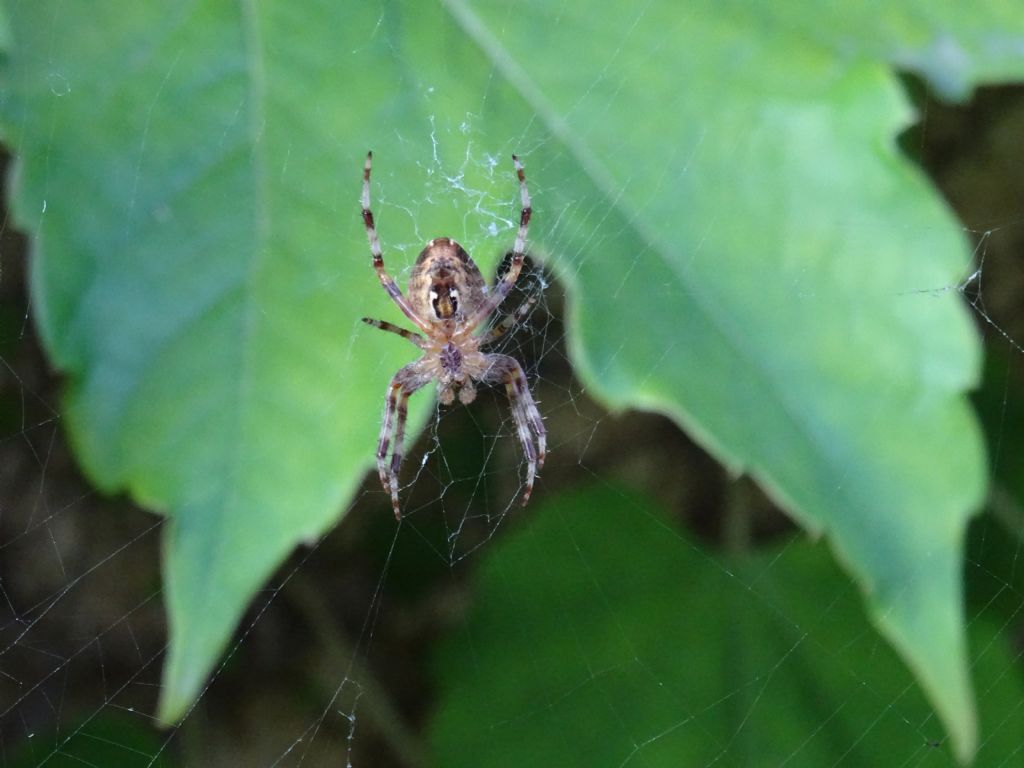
(601, 635)
(107, 740)
(753, 257)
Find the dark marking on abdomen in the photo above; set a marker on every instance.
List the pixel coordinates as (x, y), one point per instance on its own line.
(451, 358)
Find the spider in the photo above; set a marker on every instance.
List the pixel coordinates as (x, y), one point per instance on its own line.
(448, 300)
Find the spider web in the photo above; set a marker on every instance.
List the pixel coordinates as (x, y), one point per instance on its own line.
(82, 633)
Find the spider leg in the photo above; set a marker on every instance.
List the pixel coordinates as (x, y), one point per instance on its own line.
(502, 288)
(501, 328)
(403, 384)
(529, 424)
(384, 325)
(378, 257)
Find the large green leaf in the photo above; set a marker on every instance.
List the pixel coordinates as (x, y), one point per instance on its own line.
(718, 186)
(601, 636)
(190, 174)
(782, 249)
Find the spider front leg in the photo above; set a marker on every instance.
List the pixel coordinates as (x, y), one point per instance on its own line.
(503, 287)
(396, 410)
(529, 424)
(378, 256)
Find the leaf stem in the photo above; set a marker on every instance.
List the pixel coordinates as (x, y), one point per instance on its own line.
(741, 675)
(338, 653)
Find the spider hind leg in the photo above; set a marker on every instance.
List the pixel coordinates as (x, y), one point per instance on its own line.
(529, 424)
(396, 411)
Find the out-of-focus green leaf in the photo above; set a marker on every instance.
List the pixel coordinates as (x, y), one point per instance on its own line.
(784, 275)
(125, 741)
(599, 635)
(5, 31)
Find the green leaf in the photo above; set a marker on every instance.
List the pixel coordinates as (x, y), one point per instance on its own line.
(5, 32)
(718, 186)
(190, 183)
(787, 274)
(600, 636)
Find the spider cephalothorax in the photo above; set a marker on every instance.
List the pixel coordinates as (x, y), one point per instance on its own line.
(448, 300)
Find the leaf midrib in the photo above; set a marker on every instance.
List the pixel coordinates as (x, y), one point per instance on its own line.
(842, 496)
(257, 93)
(602, 179)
